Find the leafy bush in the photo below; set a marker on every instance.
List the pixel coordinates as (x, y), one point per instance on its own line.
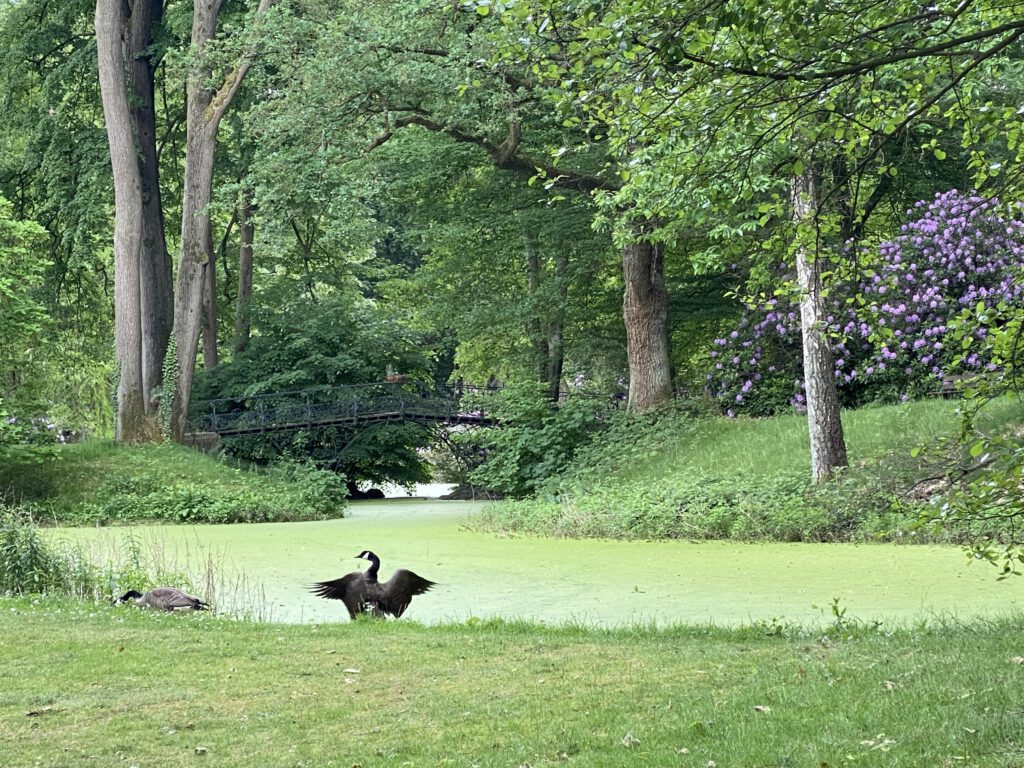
(100, 482)
(27, 564)
(147, 500)
(888, 323)
(30, 564)
(537, 439)
(784, 508)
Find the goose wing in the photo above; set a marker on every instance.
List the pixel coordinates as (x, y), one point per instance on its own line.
(169, 599)
(350, 589)
(397, 592)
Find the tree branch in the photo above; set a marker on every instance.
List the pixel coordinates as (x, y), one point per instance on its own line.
(505, 155)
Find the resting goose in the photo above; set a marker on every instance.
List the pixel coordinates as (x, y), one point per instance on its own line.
(164, 599)
(360, 591)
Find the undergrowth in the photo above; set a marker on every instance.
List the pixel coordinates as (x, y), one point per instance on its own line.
(102, 483)
(668, 476)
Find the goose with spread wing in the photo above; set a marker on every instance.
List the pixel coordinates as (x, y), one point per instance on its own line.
(360, 591)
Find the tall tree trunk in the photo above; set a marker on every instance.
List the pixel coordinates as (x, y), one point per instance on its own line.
(556, 327)
(132, 424)
(535, 321)
(545, 327)
(243, 301)
(206, 108)
(828, 448)
(645, 312)
(210, 357)
(155, 270)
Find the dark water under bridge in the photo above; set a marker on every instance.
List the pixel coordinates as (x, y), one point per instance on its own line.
(342, 406)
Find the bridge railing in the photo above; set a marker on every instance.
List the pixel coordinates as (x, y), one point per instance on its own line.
(325, 406)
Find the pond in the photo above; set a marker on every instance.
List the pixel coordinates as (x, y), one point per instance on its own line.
(266, 569)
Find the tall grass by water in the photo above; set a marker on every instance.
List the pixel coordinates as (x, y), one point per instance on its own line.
(101, 569)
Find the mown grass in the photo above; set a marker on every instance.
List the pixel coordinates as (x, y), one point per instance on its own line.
(97, 685)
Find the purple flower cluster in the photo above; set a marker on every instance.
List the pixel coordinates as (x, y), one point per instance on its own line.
(954, 252)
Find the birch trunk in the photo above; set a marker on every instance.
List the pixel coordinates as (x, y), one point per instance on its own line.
(828, 447)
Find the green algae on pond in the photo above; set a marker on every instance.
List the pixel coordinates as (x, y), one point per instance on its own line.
(589, 582)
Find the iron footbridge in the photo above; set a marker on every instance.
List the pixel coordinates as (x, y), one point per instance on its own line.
(342, 406)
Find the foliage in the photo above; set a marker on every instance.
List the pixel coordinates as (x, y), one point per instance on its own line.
(536, 440)
(321, 344)
(888, 322)
(781, 508)
(55, 169)
(95, 483)
(33, 563)
(27, 562)
(675, 476)
(23, 329)
(981, 471)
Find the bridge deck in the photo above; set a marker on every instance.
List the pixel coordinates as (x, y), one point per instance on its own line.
(340, 406)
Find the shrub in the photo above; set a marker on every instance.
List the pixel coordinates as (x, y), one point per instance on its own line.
(27, 564)
(784, 508)
(888, 323)
(537, 439)
(30, 564)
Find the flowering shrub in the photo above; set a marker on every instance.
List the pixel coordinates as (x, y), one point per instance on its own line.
(889, 324)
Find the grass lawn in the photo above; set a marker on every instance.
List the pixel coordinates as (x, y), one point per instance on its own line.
(90, 685)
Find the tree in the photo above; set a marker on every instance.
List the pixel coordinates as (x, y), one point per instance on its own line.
(727, 93)
(55, 169)
(23, 324)
(209, 97)
(427, 68)
(828, 449)
(141, 267)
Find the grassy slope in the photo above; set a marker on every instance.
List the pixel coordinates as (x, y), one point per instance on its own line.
(106, 686)
(765, 447)
(750, 479)
(82, 469)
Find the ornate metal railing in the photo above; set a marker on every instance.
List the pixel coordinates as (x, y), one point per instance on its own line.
(337, 406)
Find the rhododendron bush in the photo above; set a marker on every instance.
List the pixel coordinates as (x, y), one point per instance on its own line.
(888, 324)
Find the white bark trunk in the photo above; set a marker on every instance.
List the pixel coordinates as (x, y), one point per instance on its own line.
(828, 447)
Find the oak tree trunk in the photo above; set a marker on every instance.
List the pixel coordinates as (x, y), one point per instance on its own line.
(645, 312)
(828, 447)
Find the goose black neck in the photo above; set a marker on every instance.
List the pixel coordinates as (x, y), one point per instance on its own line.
(371, 572)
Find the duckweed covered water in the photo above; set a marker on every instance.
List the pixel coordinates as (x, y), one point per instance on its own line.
(557, 581)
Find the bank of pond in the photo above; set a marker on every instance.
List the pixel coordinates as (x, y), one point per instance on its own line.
(265, 571)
